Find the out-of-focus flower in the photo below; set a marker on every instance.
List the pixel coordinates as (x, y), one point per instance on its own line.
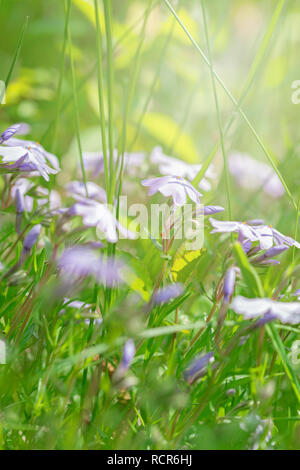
(77, 190)
(78, 261)
(94, 161)
(175, 186)
(128, 355)
(198, 366)
(19, 210)
(23, 186)
(286, 312)
(31, 237)
(252, 174)
(229, 283)
(173, 166)
(21, 128)
(82, 261)
(44, 197)
(95, 214)
(266, 235)
(29, 156)
(168, 293)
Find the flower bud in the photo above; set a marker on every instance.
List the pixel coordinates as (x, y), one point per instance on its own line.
(31, 237)
(229, 283)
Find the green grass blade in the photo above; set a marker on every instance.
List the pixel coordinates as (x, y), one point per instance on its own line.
(226, 170)
(15, 57)
(279, 347)
(110, 92)
(61, 75)
(101, 95)
(248, 271)
(76, 109)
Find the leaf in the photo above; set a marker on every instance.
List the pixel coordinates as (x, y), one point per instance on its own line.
(279, 347)
(168, 330)
(250, 276)
(183, 259)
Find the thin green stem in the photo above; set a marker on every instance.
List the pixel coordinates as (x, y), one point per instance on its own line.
(15, 57)
(61, 74)
(76, 110)
(133, 79)
(226, 170)
(110, 93)
(101, 95)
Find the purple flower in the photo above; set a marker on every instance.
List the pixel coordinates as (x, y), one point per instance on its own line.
(168, 293)
(23, 186)
(109, 271)
(252, 174)
(128, 355)
(76, 189)
(82, 261)
(173, 166)
(229, 283)
(198, 366)
(244, 230)
(94, 161)
(175, 186)
(31, 237)
(29, 156)
(12, 130)
(95, 214)
(78, 261)
(286, 312)
(266, 235)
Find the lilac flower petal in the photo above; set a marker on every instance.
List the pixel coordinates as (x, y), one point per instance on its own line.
(171, 186)
(12, 130)
(79, 261)
(77, 190)
(286, 312)
(209, 210)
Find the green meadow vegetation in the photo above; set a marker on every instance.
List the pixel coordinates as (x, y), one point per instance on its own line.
(111, 340)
